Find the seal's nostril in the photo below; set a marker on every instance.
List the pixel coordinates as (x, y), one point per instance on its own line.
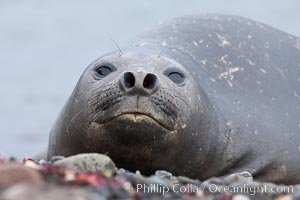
(149, 81)
(129, 80)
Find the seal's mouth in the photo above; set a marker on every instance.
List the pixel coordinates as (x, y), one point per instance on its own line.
(136, 117)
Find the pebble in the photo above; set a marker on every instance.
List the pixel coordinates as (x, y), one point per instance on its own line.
(296, 192)
(239, 177)
(284, 197)
(240, 197)
(95, 177)
(163, 174)
(186, 180)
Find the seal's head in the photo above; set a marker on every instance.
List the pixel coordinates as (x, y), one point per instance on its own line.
(138, 107)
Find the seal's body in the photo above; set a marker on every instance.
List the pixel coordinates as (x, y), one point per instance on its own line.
(198, 96)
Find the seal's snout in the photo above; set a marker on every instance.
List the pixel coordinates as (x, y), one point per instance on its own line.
(139, 83)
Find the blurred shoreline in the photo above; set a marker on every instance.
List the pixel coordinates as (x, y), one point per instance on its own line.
(45, 46)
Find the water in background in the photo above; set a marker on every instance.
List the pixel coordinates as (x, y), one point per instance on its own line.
(45, 46)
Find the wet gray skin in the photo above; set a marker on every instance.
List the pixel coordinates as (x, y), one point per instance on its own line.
(198, 96)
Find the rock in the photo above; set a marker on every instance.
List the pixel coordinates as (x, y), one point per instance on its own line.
(90, 162)
(240, 197)
(163, 174)
(12, 173)
(156, 180)
(284, 197)
(116, 193)
(42, 161)
(185, 180)
(83, 180)
(239, 177)
(133, 178)
(26, 192)
(213, 180)
(296, 191)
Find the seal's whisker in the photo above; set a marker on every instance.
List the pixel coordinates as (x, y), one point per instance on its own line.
(178, 98)
(160, 53)
(118, 47)
(156, 103)
(100, 87)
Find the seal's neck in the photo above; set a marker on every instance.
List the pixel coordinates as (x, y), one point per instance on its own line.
(214, 158)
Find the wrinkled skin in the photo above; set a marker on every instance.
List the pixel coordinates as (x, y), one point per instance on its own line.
(198, 96)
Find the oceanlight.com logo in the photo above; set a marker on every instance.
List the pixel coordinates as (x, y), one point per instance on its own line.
(251, 189)
(213, 188)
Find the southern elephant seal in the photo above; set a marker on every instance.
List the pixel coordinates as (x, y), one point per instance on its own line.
(200, 96)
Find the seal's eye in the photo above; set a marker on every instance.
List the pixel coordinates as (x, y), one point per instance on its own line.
(176, 77)
(103, 71)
